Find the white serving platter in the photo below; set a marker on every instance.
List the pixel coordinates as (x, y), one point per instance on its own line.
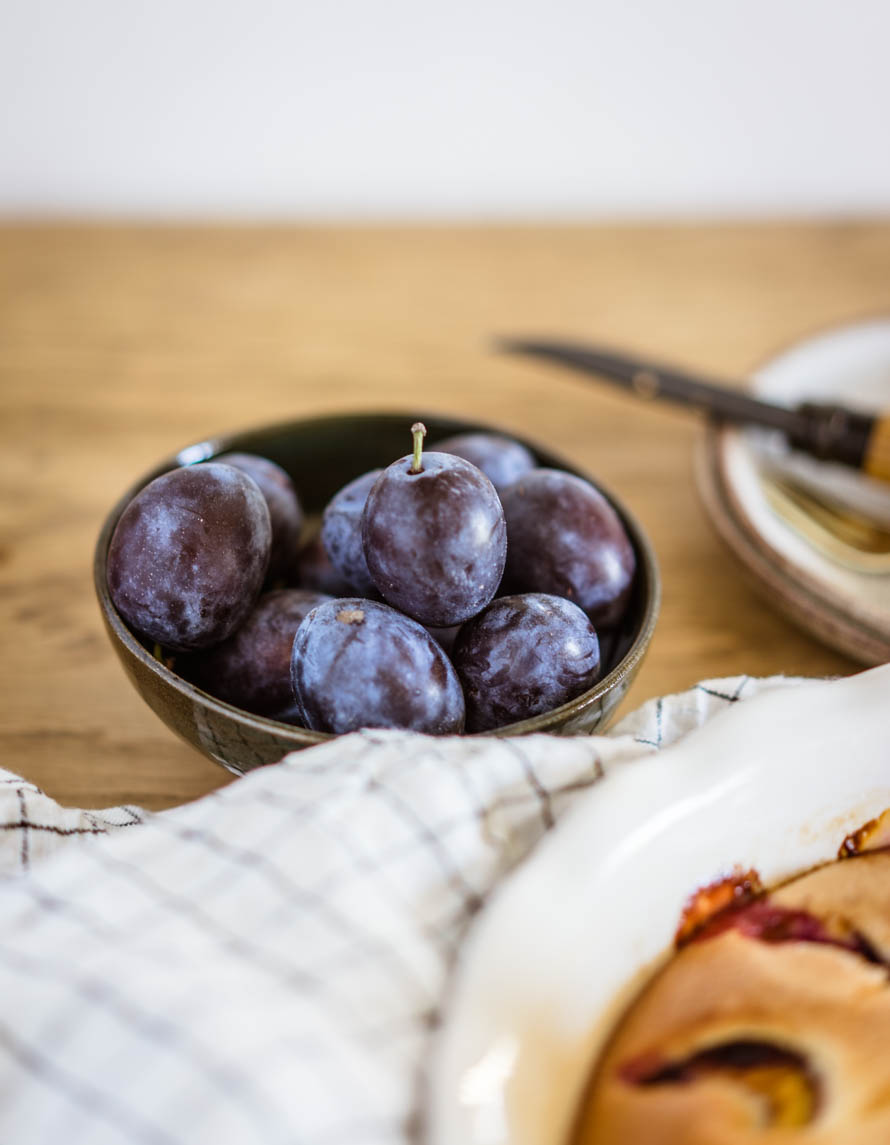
(774, 783)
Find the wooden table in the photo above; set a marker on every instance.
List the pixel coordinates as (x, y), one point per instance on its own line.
(119, 344)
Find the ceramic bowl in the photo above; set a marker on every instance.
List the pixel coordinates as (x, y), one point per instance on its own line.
(321, 455)
(774, 783)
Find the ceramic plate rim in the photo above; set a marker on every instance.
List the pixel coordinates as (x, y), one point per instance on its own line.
(765, 560)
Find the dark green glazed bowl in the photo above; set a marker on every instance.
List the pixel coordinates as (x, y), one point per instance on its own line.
(321, 455)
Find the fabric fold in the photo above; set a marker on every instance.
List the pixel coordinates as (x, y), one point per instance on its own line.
(268, 964)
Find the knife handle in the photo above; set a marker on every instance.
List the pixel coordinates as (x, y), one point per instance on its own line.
(834, 433)
(877, 452)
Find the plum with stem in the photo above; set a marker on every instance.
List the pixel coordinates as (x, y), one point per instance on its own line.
(434, 536)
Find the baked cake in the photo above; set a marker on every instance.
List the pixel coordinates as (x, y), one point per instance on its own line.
(771, 1023)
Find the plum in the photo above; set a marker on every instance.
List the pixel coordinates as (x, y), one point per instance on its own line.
(189, 554)
(341, 533)
(285, 511)
(251, 670)
(501, 459)
(359, 663)
(434, 537)
(564, 538)
(524, 655)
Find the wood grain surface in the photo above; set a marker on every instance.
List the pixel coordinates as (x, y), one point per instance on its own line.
(119, 344)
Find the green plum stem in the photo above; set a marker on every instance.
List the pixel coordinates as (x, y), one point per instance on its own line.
(419, 432)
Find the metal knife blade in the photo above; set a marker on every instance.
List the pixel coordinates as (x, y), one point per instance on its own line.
(650, 380)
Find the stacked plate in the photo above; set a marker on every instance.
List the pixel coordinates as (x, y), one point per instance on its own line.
(815, 536)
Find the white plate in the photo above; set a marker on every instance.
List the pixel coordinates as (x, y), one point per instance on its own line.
(850, 365)
(773, 783)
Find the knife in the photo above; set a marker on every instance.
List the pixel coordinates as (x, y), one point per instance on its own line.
(829, 432)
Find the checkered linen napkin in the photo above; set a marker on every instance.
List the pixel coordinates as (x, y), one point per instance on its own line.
(266, 965)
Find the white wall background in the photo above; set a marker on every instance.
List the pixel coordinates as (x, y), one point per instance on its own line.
(460, 108)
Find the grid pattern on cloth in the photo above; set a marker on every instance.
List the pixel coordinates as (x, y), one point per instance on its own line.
(267, 964)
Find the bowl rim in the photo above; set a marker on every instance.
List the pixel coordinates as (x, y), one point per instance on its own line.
(210, 447)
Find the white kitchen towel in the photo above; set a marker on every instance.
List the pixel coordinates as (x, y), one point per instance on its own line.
(266, 965)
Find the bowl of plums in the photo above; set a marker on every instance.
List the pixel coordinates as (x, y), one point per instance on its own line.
(268, 590)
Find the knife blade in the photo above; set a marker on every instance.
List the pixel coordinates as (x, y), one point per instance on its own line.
(829, 432)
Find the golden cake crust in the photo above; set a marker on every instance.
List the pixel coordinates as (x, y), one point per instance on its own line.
(739, 1041)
